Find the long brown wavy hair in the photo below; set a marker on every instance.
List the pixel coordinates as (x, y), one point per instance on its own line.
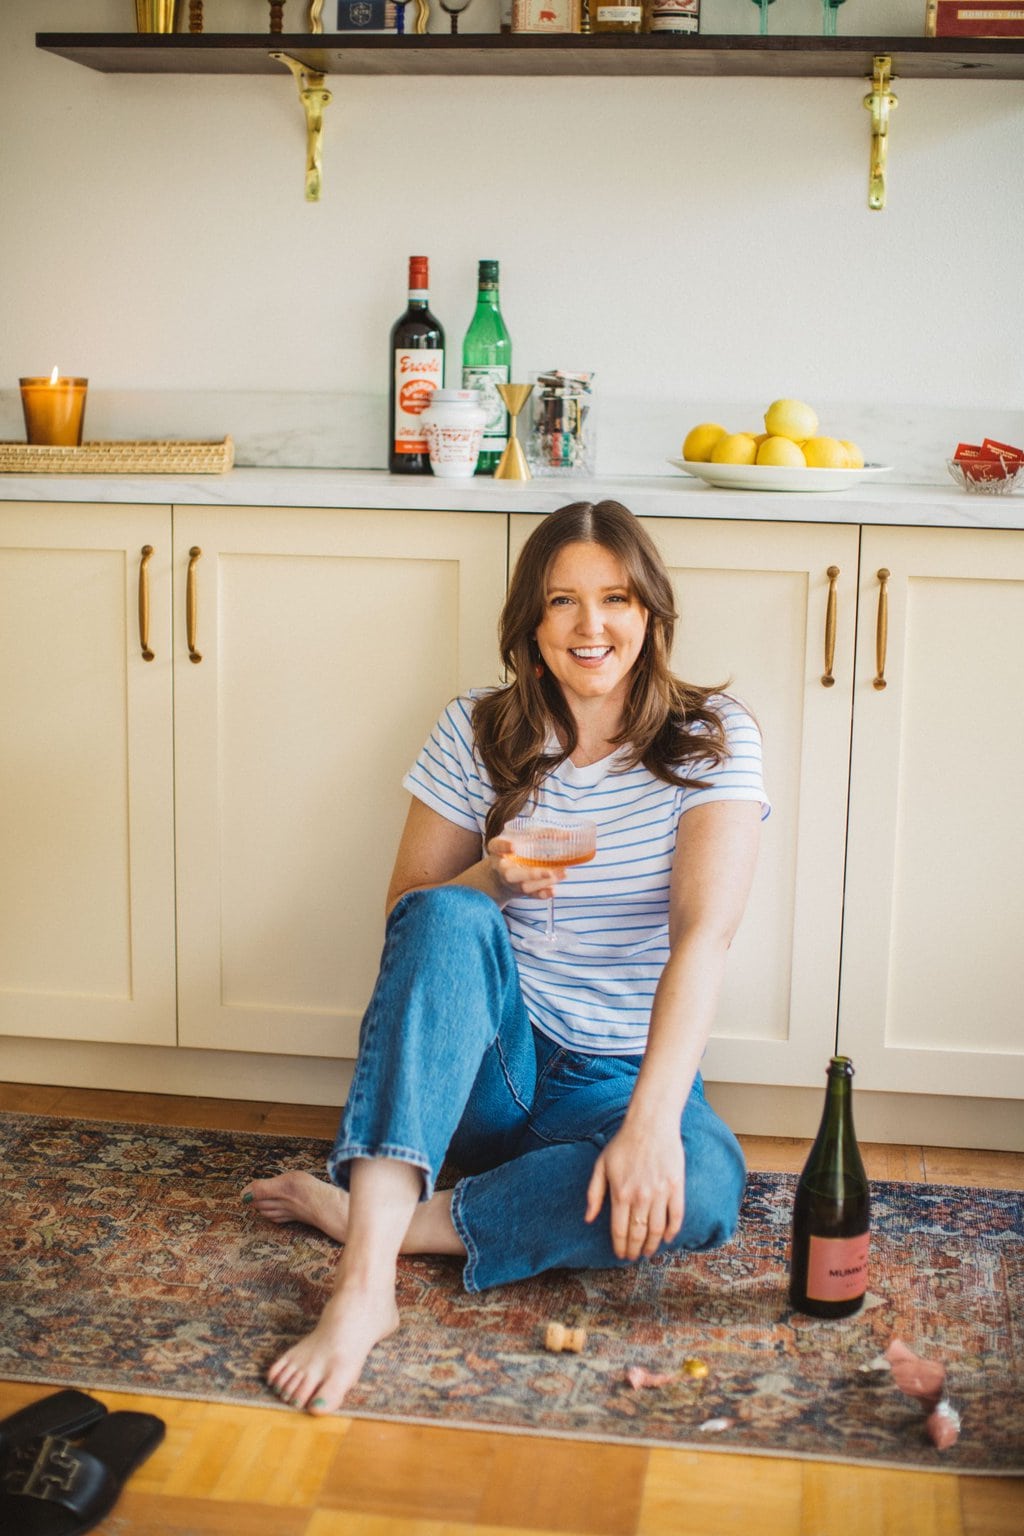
(667, 723)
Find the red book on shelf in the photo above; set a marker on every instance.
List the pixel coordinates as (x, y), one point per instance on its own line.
(979, 18)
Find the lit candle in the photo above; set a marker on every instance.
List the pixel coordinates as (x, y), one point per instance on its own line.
(54, 409)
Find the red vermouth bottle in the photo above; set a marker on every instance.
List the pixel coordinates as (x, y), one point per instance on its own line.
(417, 369)
(828, 1273)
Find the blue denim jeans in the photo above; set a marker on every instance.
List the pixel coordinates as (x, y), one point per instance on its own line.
(449, 1064)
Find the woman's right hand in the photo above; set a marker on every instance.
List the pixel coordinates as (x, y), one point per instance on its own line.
(515, 879)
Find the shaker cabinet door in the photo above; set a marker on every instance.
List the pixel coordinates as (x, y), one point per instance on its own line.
(933, 960)
(86, 792)
(755, 616)
(329, 643)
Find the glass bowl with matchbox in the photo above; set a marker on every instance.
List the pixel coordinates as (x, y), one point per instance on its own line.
(988, 468)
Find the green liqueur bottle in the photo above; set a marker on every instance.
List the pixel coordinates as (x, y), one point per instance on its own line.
(828, 1273)
(486, 363)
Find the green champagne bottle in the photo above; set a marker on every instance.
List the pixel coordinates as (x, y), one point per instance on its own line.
(486, 363)
(828, 1273)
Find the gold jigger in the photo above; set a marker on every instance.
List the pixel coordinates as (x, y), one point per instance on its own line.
(512, 465)
(155, 15)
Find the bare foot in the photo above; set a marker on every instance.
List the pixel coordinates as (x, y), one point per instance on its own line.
(298, 1196)
(318, 1371)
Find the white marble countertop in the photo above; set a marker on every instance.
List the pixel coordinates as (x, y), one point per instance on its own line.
(875, 502)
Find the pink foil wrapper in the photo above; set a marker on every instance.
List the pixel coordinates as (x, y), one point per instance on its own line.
(943, 1425)
(925, 1381)
(638, 1376)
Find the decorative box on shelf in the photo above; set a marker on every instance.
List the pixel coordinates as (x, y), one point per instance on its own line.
(366, 16)
(975, 18)
(546, 15)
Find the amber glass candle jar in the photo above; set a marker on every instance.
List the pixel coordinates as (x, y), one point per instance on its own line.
(54, 409)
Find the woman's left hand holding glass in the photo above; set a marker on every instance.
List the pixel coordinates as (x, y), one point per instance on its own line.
(644, 1172)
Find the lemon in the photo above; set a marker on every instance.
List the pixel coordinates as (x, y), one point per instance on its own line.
(825, 453)
(781, 451)
(700, 441)
(854, 457)
(734, 448)
(792, 419)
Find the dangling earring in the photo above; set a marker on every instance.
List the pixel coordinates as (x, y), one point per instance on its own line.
(538, 665)
(538, 670)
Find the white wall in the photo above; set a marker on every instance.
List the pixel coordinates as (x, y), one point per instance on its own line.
(694, 241)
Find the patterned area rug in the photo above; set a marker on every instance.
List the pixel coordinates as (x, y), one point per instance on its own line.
(128, 1263)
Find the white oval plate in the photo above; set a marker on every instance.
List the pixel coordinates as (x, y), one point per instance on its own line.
(771, 477)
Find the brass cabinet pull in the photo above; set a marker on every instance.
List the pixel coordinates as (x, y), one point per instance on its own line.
(191, 604)
(147, 555)
(882, 627)
(827, 679)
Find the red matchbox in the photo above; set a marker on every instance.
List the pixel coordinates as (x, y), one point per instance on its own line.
(988, 460)
(991, 449)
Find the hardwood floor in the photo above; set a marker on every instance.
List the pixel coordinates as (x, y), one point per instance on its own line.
(253, 1472)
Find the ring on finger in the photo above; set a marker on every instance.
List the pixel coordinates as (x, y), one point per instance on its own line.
(640, 1221)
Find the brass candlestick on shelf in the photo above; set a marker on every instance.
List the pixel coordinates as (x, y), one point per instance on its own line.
(512, 465)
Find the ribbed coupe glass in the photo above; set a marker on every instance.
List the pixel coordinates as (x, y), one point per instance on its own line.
(551, 842)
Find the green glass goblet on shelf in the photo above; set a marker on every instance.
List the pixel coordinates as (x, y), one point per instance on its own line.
(762, 6)
(830, 9)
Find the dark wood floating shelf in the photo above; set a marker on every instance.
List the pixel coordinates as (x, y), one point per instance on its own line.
(921, 58)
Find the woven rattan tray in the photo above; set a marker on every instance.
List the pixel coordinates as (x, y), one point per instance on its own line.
(139, 458)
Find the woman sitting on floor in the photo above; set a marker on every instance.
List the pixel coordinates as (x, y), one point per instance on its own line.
(562, 1079)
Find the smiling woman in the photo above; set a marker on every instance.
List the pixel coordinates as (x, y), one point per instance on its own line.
(664, 722)
(562, 1080)
(592, 631)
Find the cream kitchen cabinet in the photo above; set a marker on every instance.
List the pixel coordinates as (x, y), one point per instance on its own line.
(932, 995)
(753, 601)
(86, 774)
(330, 641)
(231, 806)
(757, 604)
(195, 846)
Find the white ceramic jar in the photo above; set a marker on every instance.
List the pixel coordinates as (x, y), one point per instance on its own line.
(453, 425)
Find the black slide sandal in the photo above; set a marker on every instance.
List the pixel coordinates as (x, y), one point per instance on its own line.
(51, 1487)
(67, 1413)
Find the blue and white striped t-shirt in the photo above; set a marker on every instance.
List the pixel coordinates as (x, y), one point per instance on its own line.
(594, 992)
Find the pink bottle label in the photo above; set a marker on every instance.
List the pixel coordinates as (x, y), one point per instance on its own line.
(837, 1267)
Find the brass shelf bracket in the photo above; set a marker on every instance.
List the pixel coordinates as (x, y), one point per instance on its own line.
(879, 101)
(314, 97)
